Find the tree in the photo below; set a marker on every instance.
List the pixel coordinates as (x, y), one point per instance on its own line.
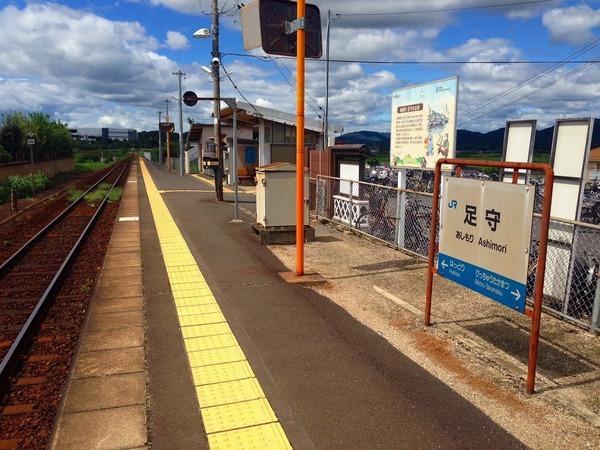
(11, 135)
(4, 156)
(52, 138)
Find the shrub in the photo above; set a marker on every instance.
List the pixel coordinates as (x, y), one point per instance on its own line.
(25, 184)
(4, 194)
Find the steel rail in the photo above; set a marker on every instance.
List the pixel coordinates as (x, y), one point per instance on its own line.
(9, 262)
(43, 200)
(11, 359)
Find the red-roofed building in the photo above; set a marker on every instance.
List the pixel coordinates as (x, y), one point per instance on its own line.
(593, 172)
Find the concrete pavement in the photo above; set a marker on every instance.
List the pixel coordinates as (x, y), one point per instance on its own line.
(332, 382)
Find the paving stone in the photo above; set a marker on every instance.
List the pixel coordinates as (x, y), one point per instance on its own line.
(123, 319)
(117, 304)
(113, 391)
(102, 429)
(130, 250)
(109, 362)
(122, 272)
(112, 339)
(119, 291)
(122, 280)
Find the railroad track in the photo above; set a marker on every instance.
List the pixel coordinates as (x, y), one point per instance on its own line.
(35, 216)
(45, 287)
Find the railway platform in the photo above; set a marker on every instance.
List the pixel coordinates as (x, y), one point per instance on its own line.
(233, 356)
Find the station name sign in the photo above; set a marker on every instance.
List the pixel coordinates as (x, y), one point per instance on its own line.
(485, 237)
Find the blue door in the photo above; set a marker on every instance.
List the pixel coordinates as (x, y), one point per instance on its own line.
(250, 156)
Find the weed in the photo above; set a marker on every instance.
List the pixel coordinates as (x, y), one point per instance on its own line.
(115, 195)
(74, 194)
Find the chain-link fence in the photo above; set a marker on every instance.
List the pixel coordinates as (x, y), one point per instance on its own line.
(402, 218)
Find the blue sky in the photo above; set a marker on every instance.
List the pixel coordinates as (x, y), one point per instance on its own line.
(110, 63)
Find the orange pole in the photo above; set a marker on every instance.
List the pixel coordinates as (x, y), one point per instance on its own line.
(300, 52)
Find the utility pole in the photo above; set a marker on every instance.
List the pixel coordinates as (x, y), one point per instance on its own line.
(168, 132)
(326, 137)
(216, 76)
(159, 140)
(300, 55)
(179, 74)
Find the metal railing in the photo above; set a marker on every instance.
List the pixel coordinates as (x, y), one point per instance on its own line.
(401, 218)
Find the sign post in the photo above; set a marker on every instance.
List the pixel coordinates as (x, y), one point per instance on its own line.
(484, 240)
(271, 25)
(31, 143)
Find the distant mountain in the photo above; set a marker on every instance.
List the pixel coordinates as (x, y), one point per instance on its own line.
(467, 141)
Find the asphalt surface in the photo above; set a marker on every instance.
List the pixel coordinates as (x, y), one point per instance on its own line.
(333, 383)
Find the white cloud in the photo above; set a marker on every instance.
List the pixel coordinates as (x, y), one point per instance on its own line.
(81, 66)
(176, 40)
(572, 25)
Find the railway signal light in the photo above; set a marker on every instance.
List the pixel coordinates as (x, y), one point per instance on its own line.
(271, 25)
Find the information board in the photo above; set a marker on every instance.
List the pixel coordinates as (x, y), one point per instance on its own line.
(424, 123)
(485, 236)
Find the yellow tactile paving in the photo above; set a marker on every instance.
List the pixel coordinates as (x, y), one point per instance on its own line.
(205, 330)
(233, 391)
(237, 415)
(196, 319)
(253, 438)
(216, 356)
(235, 411)
(208, 342)
(193, 301)
(209, 308)
(221, 373)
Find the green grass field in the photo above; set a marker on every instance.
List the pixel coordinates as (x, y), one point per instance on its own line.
(91, 166)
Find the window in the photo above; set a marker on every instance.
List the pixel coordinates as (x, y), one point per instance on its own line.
(289, 134)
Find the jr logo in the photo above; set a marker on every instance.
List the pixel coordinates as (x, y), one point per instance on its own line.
(453, 204)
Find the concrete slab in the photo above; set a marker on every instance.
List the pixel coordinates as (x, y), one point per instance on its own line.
(331, 381)
(112, 339)
(116, 262)
(88, 394)
(107, 429)
(124, 319)
(120, 291)
(109, 362)
(130, 251)
(123, 272)
(118, 305)
(122, 280)
(308, 279)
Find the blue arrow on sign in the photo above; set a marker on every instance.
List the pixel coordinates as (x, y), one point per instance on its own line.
(508, 292)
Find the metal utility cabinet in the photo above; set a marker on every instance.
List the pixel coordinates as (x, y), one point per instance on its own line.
(276, 195)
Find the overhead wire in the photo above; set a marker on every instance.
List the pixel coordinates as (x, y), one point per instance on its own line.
(532, 79)
(314, 105)
(228, 75)
(545, 86)
(441, 10)
(269, 58)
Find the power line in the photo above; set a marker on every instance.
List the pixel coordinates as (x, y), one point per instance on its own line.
(532, 79)
(315, 103)
(238, 90)
(443, 62)
(545, 86)
(461, 8)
